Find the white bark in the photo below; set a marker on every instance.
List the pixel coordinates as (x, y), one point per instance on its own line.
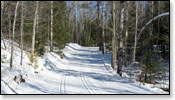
(22, 21)
(135, 43)
(150, 21)
(126, 34)
(34, 28)
(51, 31)
(9, 23)
(113, 60)
(120, 51)
(2, 6)
(103, 32)
(14, 23)
(76, 24)
(140, 33)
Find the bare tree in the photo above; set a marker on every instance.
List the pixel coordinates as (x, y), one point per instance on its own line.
(14, 23)
(9, 23)
(2, 7)
(120, 40)
(114, 42)
(98, 22)
(126, 33)
(103, 30)
(51, 29)
(135, 43)
(34, 28)
(22, 22)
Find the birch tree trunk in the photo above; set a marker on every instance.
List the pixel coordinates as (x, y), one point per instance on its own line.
(158, 26)
(51, 29)
(2, 7)
(126, 34)
(14, 23)
(103, 31)
(135, 43)
(22, 21)
(34, 28)
(76, 24)
(152, 26)
(114, 42)
(120, 51)
(98, 22)
(9, 29)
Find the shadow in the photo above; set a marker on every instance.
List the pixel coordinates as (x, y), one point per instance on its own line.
(82, 50)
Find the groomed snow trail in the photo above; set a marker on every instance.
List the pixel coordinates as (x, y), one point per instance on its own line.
(82, 70)
(87, 73)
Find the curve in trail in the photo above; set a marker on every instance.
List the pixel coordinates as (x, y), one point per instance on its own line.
(102, 60)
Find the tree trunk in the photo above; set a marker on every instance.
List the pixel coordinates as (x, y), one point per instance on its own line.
(152, 26)
(126, 35)
(34, 27)
(51, 29)
(114, 42)
(14, 23)
(103, 32)
(76, 36)
(2, 7)
(48, 28)
(98, 22)
(120, 51)
(9, 30)
(135, 43)
(158, 28)
(22, 21)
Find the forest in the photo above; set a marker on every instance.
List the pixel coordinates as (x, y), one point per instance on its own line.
(85, 44)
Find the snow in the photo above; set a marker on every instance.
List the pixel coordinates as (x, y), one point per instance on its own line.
(82, 70)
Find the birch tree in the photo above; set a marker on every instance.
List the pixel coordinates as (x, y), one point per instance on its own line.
(2, 7)
(34, 28)
(51, 29)
(114, 42)
(22, 22)
(98, 22)
(9, 24)
(126, 34)
(135, 43)
(120, 51)
(13, 32)
(103, 30)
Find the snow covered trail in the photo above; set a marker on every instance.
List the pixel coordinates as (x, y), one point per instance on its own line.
(82, 70)
(95, 76)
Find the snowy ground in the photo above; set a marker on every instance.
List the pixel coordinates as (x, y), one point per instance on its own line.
(83, 70)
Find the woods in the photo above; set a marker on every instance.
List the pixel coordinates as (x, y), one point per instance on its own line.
(135, 34)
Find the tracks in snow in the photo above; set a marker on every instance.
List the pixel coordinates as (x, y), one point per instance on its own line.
(62, 89)
(84, 80)
(85, 83)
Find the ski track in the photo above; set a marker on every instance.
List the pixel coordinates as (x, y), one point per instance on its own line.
(85, 83)
(62, 84)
